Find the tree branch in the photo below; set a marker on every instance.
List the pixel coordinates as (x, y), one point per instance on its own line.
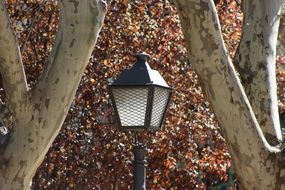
(80, 23)
(211, 61)
(11, 67)
(79, 29)
(256, 62)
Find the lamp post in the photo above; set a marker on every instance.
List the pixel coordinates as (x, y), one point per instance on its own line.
(140, 97)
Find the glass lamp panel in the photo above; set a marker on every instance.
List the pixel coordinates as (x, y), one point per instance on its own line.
(131, 105)
(160, 100)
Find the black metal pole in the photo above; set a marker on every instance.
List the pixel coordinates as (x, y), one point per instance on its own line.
(140, 163)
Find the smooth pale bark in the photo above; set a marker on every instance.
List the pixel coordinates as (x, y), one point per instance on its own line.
(40, 112)
(257, 164)
(255, 61)
(11, 67)
(281, 34)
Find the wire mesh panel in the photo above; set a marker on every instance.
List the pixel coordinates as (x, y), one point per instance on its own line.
(131, 105)
(160, 100)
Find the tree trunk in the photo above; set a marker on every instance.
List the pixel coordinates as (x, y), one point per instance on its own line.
(257, 164)
(40, 112)
(255, 61)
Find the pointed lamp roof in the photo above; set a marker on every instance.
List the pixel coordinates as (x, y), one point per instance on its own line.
(140, 74)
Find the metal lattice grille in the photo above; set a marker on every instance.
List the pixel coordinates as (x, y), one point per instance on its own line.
(160, 100)
(131, 105)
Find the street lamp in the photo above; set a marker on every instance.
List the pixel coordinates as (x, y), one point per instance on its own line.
(140, 97)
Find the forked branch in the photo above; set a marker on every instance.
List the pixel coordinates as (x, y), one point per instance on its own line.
(80, 24)
(249, 149)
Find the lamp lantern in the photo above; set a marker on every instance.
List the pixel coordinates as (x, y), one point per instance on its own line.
(140, 97)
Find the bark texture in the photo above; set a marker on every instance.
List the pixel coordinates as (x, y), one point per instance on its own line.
(255, 61)
(40, 112)
(257, 164)
(281, 33)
